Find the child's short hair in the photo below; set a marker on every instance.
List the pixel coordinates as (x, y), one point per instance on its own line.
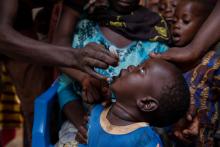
(206, 8)
(173, 103)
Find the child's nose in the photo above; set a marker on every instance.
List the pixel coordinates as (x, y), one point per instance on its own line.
(176, 25)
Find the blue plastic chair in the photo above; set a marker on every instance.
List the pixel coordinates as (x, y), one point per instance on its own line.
(43, 107)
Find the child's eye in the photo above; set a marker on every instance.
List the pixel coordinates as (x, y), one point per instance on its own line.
(161, 7)
(186, 21)
(174, 20)
(174, 4)
(142, 71)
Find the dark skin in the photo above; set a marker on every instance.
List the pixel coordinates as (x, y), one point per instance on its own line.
(167, 9)
(187, 20)
(139, 85)
(92, 90)
(18, 46)
(137, 91)
(153, 5)
(206, 37)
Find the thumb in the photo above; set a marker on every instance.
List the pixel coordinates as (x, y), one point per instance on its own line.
(166, 55)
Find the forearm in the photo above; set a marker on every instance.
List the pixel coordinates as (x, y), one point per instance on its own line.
(75, 112)
(209, 33)
(18, 46)
(64, 36)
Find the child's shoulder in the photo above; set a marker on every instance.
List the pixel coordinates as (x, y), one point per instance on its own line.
(150, 138)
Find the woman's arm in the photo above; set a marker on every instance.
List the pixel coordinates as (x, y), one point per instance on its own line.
(208, 35)
(16, 45)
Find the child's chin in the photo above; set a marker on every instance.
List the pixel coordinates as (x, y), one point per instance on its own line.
(179, 44)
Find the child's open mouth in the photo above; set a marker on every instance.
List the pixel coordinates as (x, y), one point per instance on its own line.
(176, 37)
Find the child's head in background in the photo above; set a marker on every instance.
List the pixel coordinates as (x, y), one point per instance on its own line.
(167, 9)
(188, 18)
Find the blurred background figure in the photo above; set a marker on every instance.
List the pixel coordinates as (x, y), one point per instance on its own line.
(11, 119)
(167, 9)
(153, 5)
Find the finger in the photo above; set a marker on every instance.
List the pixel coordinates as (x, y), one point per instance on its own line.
(180, 136)
(84, 96)
(94, 74)
(101, 48)
(80, 138)
(96, 63)
(190, 132)
(166, 56)
(95, 95)
(83, 132)
(155, 55)
(100, 53)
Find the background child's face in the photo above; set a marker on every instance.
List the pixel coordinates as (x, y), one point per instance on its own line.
(153, 5)
(141, 81)
(167, 9)
(186, 23)
(124, 6)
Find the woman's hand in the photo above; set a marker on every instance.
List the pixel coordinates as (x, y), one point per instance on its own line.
(93, 90)
(187, 131)
(95, 55)
(183, 57)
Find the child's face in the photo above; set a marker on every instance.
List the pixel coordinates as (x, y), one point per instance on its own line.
(167, 9)
(141, 81)
(153, 5)
(124, 6)
(186, 23)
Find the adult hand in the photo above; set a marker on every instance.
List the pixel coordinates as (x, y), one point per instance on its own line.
(91, 92)
(187, 131)
(95, 55)
(184, 57)
(187, 128)
(94, 90)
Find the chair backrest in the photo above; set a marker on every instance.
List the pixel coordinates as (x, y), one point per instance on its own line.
(41, 136)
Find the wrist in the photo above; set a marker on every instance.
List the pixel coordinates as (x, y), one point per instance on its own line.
(199, 48)
(83, 77)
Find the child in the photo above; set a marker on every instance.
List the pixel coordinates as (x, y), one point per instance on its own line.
(203, 80)
(125, 29)
(154, 93)
(167, 9)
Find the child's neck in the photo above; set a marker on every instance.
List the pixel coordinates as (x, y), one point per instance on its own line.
(117, 39)
(119, 116)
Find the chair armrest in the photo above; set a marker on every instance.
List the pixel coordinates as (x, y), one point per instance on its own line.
(42, 111)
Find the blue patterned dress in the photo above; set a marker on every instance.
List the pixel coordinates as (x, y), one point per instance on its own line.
(88, 31)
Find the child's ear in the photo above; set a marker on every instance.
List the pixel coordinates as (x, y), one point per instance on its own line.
(148, 104)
